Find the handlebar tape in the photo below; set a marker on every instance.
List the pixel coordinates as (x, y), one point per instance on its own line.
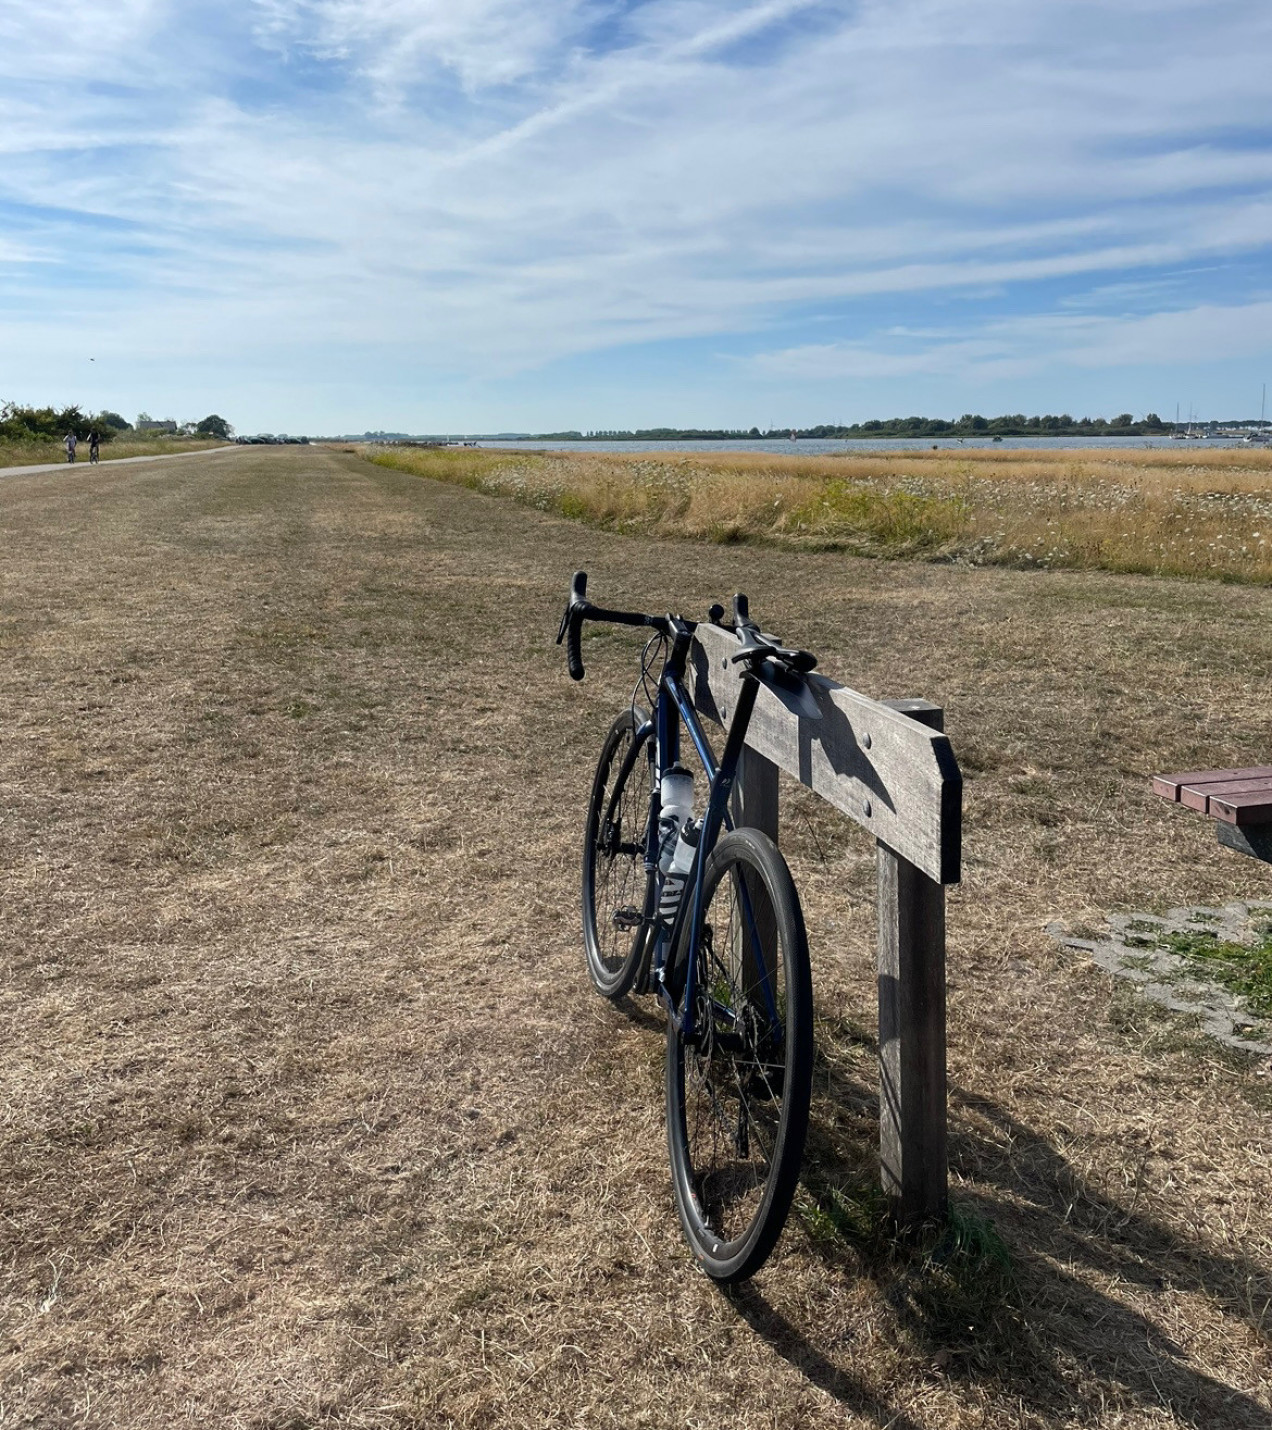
(574, 625)
(580, 609)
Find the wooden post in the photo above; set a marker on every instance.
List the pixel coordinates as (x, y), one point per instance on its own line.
(754, 804)
(888, 766)
(912, 1132)
(755, 793)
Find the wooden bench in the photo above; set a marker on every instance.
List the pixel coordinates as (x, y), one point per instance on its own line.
(1240, 802)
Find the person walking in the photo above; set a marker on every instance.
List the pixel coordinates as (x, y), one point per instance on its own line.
(94, 441)
(70, 446)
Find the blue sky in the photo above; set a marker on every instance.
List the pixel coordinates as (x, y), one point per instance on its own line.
(464, 215)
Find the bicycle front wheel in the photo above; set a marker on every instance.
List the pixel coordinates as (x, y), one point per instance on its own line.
(615, 881)
(738, 1086)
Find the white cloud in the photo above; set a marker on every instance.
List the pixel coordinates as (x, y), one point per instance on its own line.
(397, 42)
(495, 184)
(47, 43)
(1191, 336)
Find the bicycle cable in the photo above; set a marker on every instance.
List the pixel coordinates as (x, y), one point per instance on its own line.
(646, 682)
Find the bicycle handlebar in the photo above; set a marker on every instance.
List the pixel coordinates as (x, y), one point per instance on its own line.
(755, 644)
(580, 609)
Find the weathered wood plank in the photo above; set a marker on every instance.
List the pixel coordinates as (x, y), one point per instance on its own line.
(1199, 797)
(912, 1126)
(1242, 808)
(894, 776)
(754, 801)
(1171, 786)
(754, 805)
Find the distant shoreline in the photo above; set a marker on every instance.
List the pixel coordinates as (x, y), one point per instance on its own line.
(825, 446)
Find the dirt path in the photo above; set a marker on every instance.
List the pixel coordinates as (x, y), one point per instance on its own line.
(309, 1117)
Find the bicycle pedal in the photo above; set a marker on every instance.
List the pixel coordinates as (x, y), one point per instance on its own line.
(628, 918)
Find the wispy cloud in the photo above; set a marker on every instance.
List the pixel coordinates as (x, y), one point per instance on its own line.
(481, 189)
(1199, 335)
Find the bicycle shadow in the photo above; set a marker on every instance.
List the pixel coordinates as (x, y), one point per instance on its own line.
(642, 1012)
(820, 1370)
(1026, 1333)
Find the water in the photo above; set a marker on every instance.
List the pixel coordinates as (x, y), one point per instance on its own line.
(839, 446)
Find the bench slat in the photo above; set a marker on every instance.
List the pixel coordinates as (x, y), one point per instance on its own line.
(1170, 786)
(1199, 796)
(1242, 808)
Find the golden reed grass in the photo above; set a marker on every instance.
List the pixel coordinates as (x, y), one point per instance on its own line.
(1205, 514)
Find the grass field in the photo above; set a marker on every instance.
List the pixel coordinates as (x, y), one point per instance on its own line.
(31, 454)
(310, 1117)
(1160, 512)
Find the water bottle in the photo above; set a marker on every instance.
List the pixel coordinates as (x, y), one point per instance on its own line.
(678, 871)
(676, 799)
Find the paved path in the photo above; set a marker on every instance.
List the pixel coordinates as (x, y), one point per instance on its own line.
(110, 462)
(1137, 947)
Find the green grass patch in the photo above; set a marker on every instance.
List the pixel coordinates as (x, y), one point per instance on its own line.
(1244, 969)
(881, 520)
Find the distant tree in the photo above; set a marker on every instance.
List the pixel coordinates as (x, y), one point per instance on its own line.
(215, 426)
(1123, 419)
(27, 423)
(112, 420)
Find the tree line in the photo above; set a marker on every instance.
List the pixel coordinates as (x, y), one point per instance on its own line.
(42, 424)
(971, 424)
(1015, 424)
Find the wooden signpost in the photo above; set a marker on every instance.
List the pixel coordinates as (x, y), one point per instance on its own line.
(888, 766)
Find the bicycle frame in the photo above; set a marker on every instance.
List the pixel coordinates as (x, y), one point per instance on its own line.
(673, 710)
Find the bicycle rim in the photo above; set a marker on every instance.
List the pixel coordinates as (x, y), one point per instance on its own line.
(615, 882)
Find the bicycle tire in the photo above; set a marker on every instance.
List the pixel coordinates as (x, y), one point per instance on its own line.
(738, 1094)
(615, 881)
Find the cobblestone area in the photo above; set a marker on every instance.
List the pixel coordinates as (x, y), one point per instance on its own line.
(1130, 949)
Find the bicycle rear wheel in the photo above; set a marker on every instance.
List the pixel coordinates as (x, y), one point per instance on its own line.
(615, 882)
(738, 1089)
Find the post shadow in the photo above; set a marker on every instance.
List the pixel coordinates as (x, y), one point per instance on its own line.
(1026, 1336)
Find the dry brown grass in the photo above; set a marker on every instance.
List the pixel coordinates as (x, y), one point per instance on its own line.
(310, 1116)
(1201, 514)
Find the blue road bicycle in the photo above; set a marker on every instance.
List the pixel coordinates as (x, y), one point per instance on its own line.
(705, 917)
